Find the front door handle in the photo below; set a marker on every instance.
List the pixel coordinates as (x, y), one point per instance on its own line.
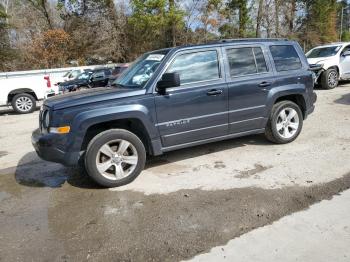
(214, 92)
(264, 84)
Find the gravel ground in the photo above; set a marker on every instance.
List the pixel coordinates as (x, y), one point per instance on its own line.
(185, 203)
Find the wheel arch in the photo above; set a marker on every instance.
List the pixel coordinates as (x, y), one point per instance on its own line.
(17, 91)
(133, 125)
(296, 98)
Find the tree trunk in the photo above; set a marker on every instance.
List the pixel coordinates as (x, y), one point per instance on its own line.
(292, 16)
(259, 18)
(173, 23)
(277, 22)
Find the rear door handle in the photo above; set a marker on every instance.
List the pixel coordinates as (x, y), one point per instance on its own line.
(264, 84)
(214, 92)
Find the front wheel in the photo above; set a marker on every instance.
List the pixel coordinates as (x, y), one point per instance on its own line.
(285, 122)
(329, 79)
(23, 103)
(115, 158)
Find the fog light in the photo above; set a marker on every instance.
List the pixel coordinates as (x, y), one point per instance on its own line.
(60, 130)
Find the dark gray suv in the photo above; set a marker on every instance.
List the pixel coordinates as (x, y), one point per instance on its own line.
(175, 98)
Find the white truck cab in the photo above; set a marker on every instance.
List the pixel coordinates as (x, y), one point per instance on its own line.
(334, 62)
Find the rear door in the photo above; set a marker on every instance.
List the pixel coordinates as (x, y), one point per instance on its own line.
(250, 78)
(197, 110)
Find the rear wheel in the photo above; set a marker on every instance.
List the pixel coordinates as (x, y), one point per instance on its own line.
(285, 122)
(330, 79)
(115, 158)
(23, 103)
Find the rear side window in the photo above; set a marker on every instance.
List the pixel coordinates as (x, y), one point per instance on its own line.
(285, 57)
(246, 61)
(196, 67)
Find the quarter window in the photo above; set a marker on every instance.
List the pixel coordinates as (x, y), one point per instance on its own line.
(285, 57)
(246, 61)
(196, 67)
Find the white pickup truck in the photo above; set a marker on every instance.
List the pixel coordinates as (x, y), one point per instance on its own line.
(333, 61)
(22, 92)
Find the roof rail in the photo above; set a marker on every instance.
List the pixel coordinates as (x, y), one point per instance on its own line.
(250, 40)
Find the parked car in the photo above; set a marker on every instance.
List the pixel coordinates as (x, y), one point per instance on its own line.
(23, 92)
(116, 73)
(70, 75)
(175, 98)
(87, 79)
(334, 63)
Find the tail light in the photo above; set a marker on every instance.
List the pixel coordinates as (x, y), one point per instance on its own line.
(48, 82)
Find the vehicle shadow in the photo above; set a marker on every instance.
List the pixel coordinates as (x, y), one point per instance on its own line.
(344, 100)
(34, 172)
(9, 111)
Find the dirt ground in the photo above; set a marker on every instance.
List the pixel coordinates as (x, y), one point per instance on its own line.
(185, 203)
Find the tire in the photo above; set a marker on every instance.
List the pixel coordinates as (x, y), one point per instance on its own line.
(280, 130)
(329, 79)
(102, 154)
(23, 103)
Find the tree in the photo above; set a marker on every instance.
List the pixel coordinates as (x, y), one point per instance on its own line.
(242, 7)
(6, 52)
(259, 18)
(320, 22)
(51, 49)
(43, 7)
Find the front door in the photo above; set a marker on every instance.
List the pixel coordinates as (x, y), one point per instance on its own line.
(344, 63)
(196, 110)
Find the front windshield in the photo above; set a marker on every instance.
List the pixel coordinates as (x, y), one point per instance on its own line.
(84, 75)
(323, 51)
(141, 70)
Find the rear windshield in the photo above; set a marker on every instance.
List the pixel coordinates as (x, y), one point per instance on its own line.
(323, 52)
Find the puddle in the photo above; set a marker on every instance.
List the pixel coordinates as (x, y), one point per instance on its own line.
(77, 223)
(251, 172)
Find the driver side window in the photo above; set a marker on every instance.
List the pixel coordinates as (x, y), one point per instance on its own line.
(346, 49)
(196, 67)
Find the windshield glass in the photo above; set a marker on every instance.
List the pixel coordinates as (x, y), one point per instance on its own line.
(84, 75)
(323, 51)
(141, 70)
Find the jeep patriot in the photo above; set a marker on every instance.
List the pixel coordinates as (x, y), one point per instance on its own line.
(175, 98)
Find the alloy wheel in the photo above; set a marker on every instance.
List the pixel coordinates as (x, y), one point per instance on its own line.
(287, 123)
(24, 103)
(332, 79)
(116, 159)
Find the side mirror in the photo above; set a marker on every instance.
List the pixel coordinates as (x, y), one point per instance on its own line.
(346, 53)
(168, 80)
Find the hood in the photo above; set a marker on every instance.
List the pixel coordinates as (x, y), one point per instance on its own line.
(319, 60)
(89, 96)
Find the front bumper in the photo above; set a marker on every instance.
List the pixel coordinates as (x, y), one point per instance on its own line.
(45, 147)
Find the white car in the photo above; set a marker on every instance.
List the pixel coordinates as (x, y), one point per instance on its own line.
(333, 61)
(23, 92)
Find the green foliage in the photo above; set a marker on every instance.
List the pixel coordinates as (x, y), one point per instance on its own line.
(321, 24)
(346, 36)
(242, 7)
(150, 22)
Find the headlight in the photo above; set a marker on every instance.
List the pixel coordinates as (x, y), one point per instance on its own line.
(47, 119)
